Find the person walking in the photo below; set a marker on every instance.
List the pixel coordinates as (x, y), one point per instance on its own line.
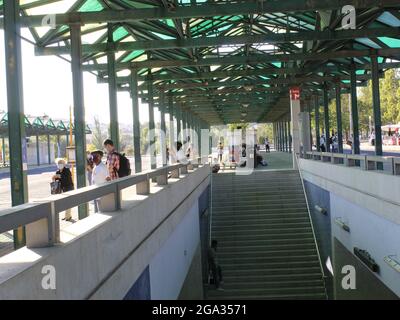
(64, 177)
(215, 268)
(322, 142)
(99, 174)
(89, 167)
(266, 142)
(220, 151)
(117, 164)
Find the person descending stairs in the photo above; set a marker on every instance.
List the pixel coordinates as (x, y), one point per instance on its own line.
(266, 246)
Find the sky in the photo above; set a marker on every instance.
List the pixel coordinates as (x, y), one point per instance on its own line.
(47, 87)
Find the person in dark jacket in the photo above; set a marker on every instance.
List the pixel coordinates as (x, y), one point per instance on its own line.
(63, 174)
(215, 268)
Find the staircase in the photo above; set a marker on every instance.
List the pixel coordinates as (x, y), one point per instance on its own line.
(266, 247)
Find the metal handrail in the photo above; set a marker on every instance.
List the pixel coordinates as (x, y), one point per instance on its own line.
(48, 208)
(311, 222)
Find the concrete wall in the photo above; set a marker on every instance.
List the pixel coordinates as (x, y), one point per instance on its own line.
(369, 204)
(317, 196)
(169, 267)
(103, 255)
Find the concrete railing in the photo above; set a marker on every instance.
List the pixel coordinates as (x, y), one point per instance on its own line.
(388, 165)
(41, 218)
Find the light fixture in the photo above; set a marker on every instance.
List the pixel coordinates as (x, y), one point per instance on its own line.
(245, 105)
(320, 210)
(365, 257)
(244, 114)
(392, 262)
(341, 224)
(248, 88)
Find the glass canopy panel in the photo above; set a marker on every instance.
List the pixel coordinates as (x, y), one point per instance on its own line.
(56, 7)
(91, 5)
(389, 19)
(390, 42)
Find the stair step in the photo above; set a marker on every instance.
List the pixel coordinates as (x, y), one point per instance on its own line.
(267, 265)
(252, 279)
(245, 242)
(281, 236)
(266, 229)
(275, 271)
(226, 249)
(260, 259)
(222, 295)
(274, 284)
(255, 226)
(255, 214)
(231, 222)
(267, 253)
(260, 291)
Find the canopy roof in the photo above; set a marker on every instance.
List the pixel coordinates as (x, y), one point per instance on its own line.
(36, 126)
(214, 56)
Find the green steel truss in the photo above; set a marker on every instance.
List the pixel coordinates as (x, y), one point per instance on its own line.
(224, 53)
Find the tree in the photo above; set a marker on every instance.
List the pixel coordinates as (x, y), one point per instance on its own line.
(98, 135)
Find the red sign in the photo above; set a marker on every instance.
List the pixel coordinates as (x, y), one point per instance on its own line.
(295, 93)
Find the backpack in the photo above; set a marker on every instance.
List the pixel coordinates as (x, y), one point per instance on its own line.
(124, 165)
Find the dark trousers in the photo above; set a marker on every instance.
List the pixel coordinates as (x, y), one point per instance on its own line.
(217, 274)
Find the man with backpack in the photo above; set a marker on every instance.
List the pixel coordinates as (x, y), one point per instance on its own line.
(118, 165)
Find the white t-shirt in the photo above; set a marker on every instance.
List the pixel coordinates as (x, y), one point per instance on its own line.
(180, 156)
(99, 174)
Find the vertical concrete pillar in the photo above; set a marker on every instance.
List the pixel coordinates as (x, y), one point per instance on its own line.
(48, 149)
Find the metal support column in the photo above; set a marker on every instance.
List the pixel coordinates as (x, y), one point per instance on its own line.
(172, 138)
(152, 145)
(37, 151)
(290, 139)
(339, 117)
(112, 89)
(178, 124)
(16, 127)
(376, 101)
(317, 132)
(48, 149)
(79, 111)
(326, 119)
(3, 150)
(136, 121)
(354, 110)
(163, 141)
(286, 149)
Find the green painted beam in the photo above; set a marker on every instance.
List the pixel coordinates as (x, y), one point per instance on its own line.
(289, 81)
(207, 10)
(250, 60)
(200, 42)
(253, 72)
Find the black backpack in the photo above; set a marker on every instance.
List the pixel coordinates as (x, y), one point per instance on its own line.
(124, 165)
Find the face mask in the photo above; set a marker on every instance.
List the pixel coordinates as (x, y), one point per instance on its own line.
(60, 166)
